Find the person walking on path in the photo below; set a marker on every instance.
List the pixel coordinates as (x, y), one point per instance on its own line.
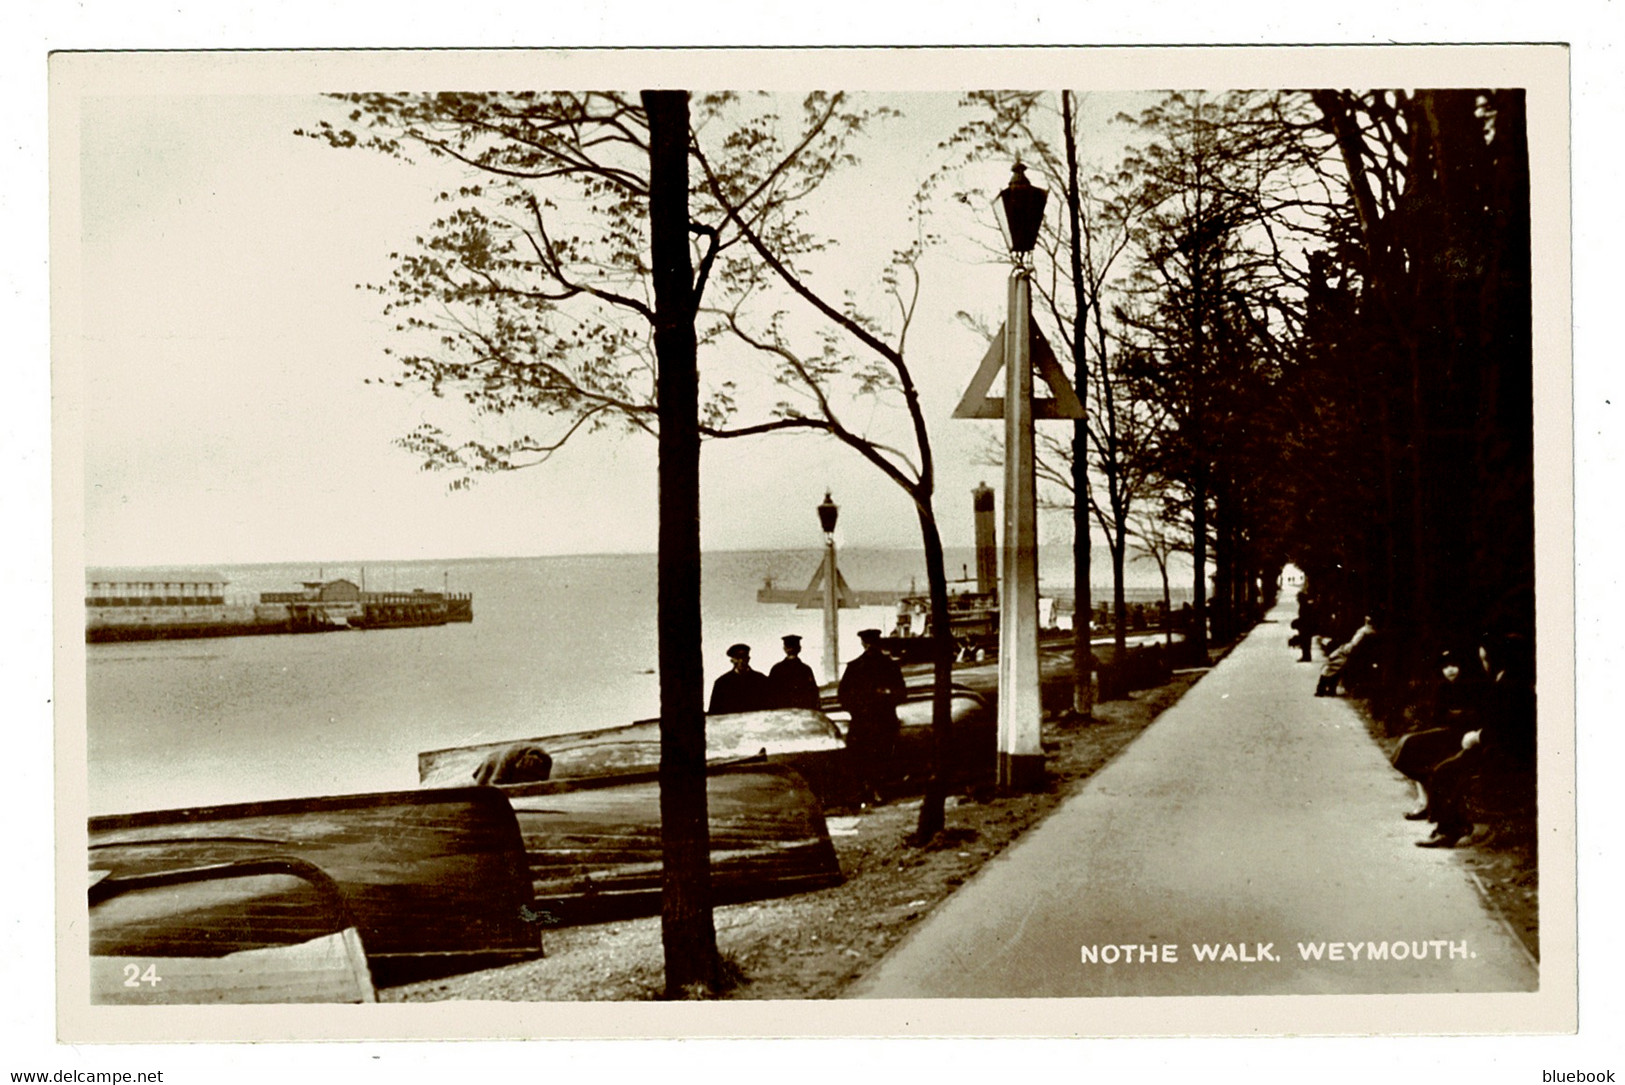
(1305, 627)
(870, 690)
(740, 689)
(793, 683)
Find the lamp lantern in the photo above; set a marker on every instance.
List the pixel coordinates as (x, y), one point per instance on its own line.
(827, 512)
(1020, 210)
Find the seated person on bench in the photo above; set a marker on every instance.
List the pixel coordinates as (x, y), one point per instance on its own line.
(1356, 652)
(1499, 756)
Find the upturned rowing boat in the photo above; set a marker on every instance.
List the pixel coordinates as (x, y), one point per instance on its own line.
(797, 738)
(428, 873)
(260, 930)
(812, 743)
(594, 845)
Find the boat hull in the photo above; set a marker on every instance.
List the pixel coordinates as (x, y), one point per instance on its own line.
(252, 932)
(424, 873)
(594, 847)
(812, 744)
(799, 739)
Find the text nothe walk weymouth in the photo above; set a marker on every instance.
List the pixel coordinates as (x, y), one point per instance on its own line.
(1438, 949)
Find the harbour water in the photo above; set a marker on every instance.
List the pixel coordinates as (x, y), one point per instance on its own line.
(557, 644)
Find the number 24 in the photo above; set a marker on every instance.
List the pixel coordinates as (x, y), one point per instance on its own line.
(134, 977)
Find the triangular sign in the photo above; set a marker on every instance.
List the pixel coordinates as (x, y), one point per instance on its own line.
(978, 404)
(813, 597)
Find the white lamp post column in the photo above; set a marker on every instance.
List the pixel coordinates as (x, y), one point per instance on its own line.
(1020, 210)
(1021, 753)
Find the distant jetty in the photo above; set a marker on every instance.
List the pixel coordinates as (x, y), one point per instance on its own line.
(183, 604)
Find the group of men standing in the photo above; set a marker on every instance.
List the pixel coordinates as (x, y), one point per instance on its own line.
(870, 691)
(790, 684)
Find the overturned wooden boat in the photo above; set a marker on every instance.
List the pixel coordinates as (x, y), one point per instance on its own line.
(428, 873)
(812, 743)
(255, 931)
(594, 849)
(797, 738)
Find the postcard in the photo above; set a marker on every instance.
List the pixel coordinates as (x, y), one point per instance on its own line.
(813, 542)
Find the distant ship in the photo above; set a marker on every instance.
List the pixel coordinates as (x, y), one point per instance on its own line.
(173, 604)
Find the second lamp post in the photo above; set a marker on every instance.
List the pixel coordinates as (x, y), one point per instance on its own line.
(827, 513)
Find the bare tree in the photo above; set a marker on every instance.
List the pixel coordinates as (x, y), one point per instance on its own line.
(1158, 540)
(532, 299)
(856, 348)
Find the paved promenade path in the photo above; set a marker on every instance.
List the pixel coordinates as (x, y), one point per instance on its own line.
(1252, 818)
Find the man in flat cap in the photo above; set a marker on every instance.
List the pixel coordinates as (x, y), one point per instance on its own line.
(740, 689)
(793, 683)
(871, 689)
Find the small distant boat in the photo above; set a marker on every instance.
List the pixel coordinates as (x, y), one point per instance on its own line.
(428, 873)
(973, 621)
(264, 930)
(594, 844)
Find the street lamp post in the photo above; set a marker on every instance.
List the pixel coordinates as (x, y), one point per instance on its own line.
(1020, 209)
(827, 513)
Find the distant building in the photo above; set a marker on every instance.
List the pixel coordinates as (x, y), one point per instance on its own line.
(173, 587)
(317, 591)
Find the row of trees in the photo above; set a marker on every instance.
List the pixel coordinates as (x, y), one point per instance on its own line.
(1303, 325)
(1300, 322)
(1171, 283)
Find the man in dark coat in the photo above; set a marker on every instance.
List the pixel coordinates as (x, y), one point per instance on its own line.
(870, 690)
(1306, 625)
(793, 683)
(740, 689)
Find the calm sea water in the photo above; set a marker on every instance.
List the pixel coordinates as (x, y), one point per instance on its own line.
(557, 644)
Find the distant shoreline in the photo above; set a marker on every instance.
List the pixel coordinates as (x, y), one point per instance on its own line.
(1139, 568)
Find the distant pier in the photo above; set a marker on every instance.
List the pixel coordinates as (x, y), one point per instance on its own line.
(186, 604)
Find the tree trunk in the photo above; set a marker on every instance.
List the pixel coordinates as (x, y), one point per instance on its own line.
(1198, 631)
(933, 813)
(1119, 546)
(687, 930)
(1167, 608)
(1223, 588)
(1083, 690)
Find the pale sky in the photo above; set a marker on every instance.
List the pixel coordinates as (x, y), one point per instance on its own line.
(225, 348)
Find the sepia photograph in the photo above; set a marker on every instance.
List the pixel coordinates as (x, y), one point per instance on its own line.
(831, 543)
